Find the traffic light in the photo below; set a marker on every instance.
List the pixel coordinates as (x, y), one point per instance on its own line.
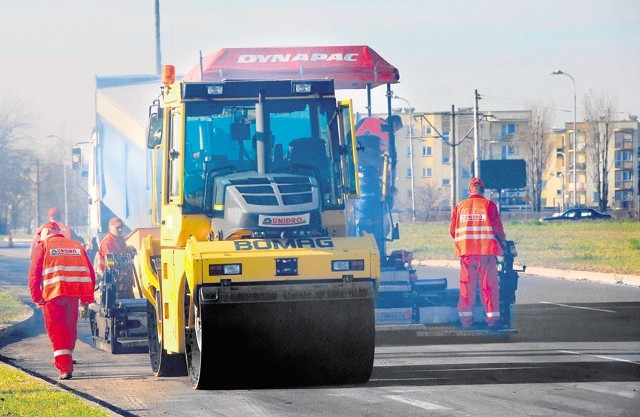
(76, 158)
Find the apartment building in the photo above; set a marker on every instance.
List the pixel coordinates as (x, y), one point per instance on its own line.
(572, 177)
(435, 159)
(440, 147)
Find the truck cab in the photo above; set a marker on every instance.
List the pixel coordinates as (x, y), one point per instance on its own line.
(259, 159)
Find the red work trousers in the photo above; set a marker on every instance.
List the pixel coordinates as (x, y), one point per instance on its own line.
(482, 269)
(61, 321)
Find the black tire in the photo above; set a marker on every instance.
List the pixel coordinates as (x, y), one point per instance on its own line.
(162, 363)
(198, 365)
(267, 345)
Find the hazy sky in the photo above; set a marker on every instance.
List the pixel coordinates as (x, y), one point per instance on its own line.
(506, 49)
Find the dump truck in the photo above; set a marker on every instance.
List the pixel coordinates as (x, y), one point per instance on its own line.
(116, 163)
(245, 264)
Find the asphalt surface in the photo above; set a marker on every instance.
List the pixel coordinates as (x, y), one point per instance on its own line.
(135, 368)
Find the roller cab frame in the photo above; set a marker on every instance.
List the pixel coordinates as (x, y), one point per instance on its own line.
(252, 280)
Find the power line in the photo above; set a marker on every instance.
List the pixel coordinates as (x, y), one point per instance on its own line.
(508, 100)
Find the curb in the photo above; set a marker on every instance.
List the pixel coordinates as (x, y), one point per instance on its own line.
(597, 277)
(23, 321)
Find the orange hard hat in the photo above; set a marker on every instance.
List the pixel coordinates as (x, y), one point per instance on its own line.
(115, 222)
(53, 213)
(476, 181)
(49, 229)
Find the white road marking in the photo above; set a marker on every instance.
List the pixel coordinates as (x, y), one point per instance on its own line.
(608, 358)
(416, 403)
(579, 307)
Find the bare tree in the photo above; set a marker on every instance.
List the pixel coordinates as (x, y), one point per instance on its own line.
(538, 148)
(15, 186)
(599, 111)
(429, 198)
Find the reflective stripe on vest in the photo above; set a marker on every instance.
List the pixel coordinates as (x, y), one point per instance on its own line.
(474, 234)
(65, 270)
(66, 278)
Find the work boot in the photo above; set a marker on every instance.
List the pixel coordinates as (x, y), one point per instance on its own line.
(495, 325)
(465, 324)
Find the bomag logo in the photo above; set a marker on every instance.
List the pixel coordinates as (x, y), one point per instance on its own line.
(264, 59)
(277, 244)
(65, 252)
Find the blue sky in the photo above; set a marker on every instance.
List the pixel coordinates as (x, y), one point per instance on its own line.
(506, 49)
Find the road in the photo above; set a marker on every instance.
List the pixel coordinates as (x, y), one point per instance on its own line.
(577, 353)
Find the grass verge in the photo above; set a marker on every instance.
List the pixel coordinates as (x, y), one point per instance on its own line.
(10, 307)
(599, 246)
(25, 396)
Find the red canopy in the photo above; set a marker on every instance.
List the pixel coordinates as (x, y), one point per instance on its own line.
(349, 66)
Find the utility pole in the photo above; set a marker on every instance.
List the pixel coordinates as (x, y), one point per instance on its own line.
(64, 177)
(37, 195)
(452, 141)
(158, 50)
(453, 145)
(411, 155)
(476, 139)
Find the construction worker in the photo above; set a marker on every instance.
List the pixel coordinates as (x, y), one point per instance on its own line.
(54, 216)
(113, 242)
(479, 237)
(60, 277)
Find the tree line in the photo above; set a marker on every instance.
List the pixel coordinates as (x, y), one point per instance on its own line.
(34, 170)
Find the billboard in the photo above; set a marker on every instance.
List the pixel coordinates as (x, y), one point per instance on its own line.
(502, 174)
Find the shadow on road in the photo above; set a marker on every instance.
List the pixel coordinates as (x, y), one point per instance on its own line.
(504, 373)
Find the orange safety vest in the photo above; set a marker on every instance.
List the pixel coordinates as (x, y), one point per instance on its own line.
(110, 244)
(65, 271)
(474, 233)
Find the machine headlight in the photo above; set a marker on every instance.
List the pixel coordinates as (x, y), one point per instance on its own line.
(348, 265)
(214, 90)
(302, 88)
(225, 269)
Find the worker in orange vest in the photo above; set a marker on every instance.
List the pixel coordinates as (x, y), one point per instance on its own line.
(60, 277)
(53, 215)
(479, 236)
(113, 242)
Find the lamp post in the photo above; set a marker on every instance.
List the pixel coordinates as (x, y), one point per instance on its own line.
(575, 132)
(413, 194)
(64, 180)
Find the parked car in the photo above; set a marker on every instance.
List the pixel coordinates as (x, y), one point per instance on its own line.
(577, 214)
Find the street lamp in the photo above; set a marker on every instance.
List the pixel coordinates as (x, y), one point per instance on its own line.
(413, 194)
(575, 132)
(64, 180)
